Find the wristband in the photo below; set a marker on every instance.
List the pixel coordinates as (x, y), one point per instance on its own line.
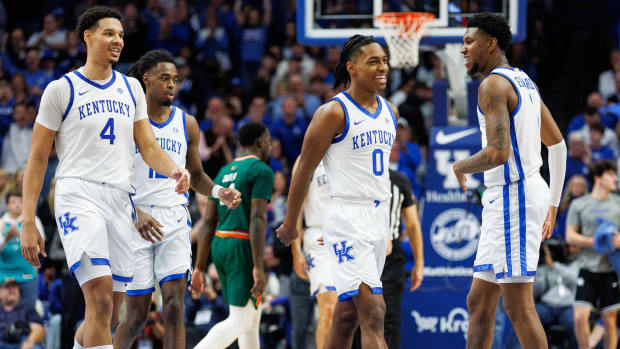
(215, 191)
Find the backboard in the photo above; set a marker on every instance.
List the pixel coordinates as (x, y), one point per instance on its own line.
(332, 22)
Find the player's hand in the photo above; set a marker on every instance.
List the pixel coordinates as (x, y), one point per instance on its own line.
(259, 282)
(148, 227)
(198, 280)
(286, 234)
(27, 345)
(417, 275)
(300, 265)
(31, 242)
(229, 197)
(460, 177)
(547, 230)
(388, 250)
(182, 177)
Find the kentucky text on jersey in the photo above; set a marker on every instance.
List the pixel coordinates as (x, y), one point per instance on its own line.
(525, 82)
(372, 137)
(168, 144)
(103, 106)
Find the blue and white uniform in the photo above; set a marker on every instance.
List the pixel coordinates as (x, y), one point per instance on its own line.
(170, 258)
(317, 256)
(94, 141)
(516, 200)
(357, 217)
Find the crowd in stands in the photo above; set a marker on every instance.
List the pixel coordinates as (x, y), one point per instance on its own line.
(238, 61)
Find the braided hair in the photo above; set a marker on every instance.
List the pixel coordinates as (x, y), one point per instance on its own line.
(148, 61)
(350, 50)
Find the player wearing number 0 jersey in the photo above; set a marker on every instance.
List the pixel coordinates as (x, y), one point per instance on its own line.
(519, 208)
(163, 259)
(353, 134)
(95, 115)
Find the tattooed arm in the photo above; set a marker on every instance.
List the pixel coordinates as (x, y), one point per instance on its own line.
(493, 96)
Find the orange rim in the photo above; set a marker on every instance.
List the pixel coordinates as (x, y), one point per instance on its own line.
(406, 20)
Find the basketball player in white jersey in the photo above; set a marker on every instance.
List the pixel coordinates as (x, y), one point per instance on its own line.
(96, 116)
(519, 207)
(163, 251)
(313, 262)
(353, 133)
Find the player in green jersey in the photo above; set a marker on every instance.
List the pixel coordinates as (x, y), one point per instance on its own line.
(236, 239)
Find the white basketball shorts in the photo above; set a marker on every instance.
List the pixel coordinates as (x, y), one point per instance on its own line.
(165, 260)
(95, 220)
(356, 238)
(511, 231)
(317, 256)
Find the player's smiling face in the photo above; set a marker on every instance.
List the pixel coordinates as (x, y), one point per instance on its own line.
(370, 67)
(105, 40)
(473, 50)
(161, 83)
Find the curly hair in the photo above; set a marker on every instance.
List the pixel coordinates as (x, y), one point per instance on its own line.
(148, 61)
(350, 50)
(494, 25)
(90, 18)
(250, 132)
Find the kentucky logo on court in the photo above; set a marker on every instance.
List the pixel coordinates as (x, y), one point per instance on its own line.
(344, 252)
(68, 224)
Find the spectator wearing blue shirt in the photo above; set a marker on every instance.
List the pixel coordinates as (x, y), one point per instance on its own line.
(277, 162)
(576, 186)
(290, 130)
(307, 103)
(410, 156)
(253, 38)
(6, 106)
(599, 151)
(20, 325)
(579, 157)
(256, 112)
(212, 43)
(36, 78)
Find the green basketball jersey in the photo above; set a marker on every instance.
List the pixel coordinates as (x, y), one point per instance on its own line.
(254, 179)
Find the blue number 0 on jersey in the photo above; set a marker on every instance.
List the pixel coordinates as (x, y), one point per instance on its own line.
(377, 169)
(108, 131)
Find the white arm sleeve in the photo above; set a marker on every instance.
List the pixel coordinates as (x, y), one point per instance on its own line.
(557, 171)
(54, 103)
(138, 93)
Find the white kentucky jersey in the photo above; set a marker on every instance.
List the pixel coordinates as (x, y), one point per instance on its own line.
(94, 124)
(356, 162)
(152, 188)
(317, 198)
(524, 159)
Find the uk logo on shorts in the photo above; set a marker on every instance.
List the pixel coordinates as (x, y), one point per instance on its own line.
(310, 262)
(68, 223)
(343, 252)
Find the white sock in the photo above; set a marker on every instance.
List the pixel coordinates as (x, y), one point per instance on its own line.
(109, 346)
(240, 321)
(251, 339)
(76, 345)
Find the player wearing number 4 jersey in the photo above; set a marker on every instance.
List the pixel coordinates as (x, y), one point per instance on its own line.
(519, 207)
(163, 247)
(97, 117)
(353, 134)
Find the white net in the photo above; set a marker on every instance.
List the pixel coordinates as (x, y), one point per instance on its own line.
(402, 32)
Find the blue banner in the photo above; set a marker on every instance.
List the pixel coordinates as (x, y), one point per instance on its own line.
(436, 314)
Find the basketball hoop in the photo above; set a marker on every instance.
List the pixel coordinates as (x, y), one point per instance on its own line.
(403, 32)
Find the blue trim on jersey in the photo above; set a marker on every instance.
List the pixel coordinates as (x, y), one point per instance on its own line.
(100, 261)
(522, 228)
(346, 125)
(506, 198)
(515, 148)
(185, 127)
(74, 266)
(529, 273)
(500, 275)
(376, 290)
(483, 267)
(140, 292)
(479, 109)
(122, 278)
(163, 124)
(506, 173)
(64, 116)
(362, 109)
(346, 297)
(129, 88)
(514, 112)
(99, 86)
(330, 288)
(387, 104)
(171, 277)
